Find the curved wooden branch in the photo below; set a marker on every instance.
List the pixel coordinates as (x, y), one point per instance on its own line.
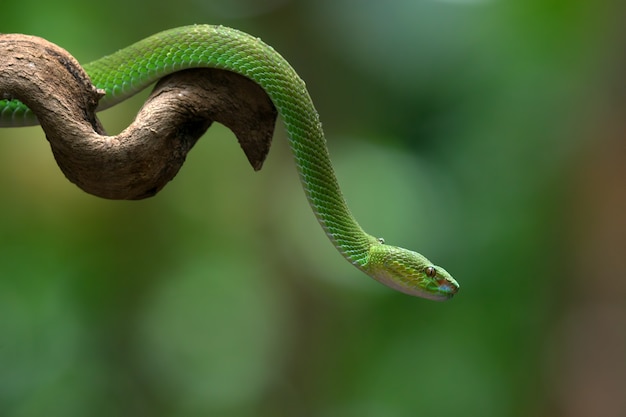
(138, 162)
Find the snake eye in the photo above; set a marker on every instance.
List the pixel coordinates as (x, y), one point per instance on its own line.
(430, 271)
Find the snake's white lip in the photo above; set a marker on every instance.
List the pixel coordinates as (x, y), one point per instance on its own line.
(441, 296)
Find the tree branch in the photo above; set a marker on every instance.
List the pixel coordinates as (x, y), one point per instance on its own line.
(138, 162)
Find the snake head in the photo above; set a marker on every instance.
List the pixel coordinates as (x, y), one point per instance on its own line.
(409, 272)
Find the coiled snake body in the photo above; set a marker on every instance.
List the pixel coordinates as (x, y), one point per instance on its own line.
(129, 70)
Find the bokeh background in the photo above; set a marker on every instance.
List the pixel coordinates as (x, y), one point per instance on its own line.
(487, 134)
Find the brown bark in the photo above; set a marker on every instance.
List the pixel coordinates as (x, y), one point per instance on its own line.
(138, 162)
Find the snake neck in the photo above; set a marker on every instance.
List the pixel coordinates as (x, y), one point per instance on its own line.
(326, 199)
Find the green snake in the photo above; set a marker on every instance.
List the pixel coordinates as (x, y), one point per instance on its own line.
(131, 69)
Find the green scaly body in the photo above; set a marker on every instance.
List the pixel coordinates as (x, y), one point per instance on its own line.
(130, 70)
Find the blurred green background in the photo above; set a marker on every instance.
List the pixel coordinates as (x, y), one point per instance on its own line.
(488, 135)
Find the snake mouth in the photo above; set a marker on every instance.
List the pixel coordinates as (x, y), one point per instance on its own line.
(447, 289)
